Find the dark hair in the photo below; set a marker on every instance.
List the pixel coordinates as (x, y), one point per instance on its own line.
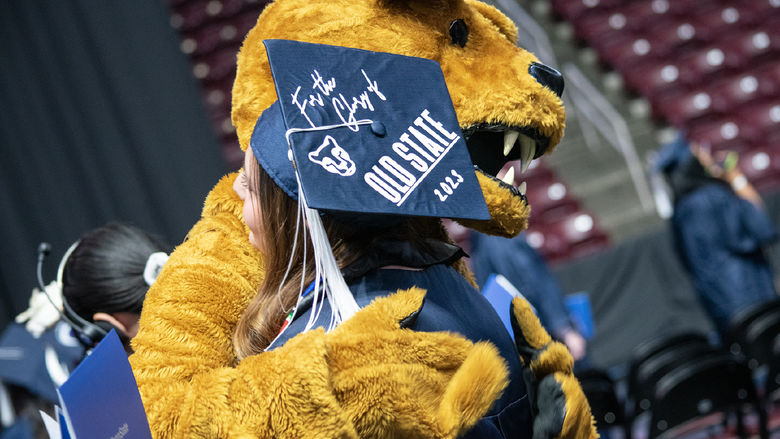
(105, 271)
(688, 176)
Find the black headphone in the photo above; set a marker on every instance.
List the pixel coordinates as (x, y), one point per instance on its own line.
(88, 333)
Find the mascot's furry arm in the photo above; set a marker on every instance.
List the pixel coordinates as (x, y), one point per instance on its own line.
(361, 380)
(560, 409)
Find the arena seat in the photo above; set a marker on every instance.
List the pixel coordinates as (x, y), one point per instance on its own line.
(624, 51)
(733, 91)
(742, 321)
(550, 201)
(768, 75)
(671, 34)
(714, 384)
(573, 9)
(708, 60)
(725, 133)
(216, 66)
(645, 375)
(552, 247)
(724, 18)
(747, 47)
(580, 232)
(763, 118)
(683, 109)
(641, 13)
(653, 76)
(752, 334)
(599, 389)
(761, 166)
(772, 389)
(592, 26)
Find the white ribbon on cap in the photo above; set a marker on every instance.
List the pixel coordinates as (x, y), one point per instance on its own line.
(328, 279)
(153, 266)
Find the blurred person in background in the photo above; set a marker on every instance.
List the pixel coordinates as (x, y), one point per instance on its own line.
(720, 230)
(525, 269)
(101, 283)
(519, 263)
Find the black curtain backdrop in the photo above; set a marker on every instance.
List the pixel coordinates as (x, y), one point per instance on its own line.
(100, 120)
(639, 290)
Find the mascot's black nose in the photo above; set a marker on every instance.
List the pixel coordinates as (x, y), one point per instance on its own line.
(547, 76)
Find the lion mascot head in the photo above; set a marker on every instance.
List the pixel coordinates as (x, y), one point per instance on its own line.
(508, 104)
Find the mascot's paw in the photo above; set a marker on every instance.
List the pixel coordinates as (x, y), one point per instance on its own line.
(557, 401)
(394, 382)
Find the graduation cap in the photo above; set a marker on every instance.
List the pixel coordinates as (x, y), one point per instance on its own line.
(360, 134)
(672, 154)
(369, 133)
(35, 363)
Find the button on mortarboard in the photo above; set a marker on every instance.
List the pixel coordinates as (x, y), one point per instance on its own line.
(370, 132)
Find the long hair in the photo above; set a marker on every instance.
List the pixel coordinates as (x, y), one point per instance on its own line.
(688, 176)
(265, 314)
(105, 271)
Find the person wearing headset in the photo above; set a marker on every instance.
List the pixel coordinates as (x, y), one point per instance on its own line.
(101, 284)
(105, 276)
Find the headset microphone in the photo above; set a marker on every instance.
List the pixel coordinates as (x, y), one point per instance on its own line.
(44, 249)
(89, 334)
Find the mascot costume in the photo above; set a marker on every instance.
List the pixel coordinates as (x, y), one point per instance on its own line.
(364, 378)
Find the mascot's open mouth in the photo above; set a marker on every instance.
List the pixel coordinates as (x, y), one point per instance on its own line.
(491, 146)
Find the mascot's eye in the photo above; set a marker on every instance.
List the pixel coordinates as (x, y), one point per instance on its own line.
(459, 32)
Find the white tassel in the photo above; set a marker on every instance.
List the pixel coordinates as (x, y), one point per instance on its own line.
(327, 272)
(328, 279)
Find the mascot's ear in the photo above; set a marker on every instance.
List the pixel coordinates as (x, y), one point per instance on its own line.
(504, 24)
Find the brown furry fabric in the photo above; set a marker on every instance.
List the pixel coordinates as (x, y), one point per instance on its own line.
(352, 382)
(552, 359)
(487, 79)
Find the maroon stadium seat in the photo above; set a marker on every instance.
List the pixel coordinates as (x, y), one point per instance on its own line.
(216, 66)
(574, 9)
(550, 201)
(683, 109)
(761, 166)
(726, 18)
(600, 24)
(733, 91)
(671, 34)
(194, 13)
(762, 119)
(768, 75)
(653, 76)
(745, 49)
(642, 13)
(205, 39)
(708, 60)
(551, 247)
(725, 133)
(580, 233)
(624, 51)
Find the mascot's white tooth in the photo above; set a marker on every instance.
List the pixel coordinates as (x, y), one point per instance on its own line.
(510, 136)
(527, 151)
(521, 188)
(509, 177)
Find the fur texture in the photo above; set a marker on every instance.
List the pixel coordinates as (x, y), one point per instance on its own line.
(551, 383)
(488, 78)
(360, 380)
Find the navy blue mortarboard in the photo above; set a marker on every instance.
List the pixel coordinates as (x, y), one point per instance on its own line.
(673, 154)
(23, 357)
(369, 132)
